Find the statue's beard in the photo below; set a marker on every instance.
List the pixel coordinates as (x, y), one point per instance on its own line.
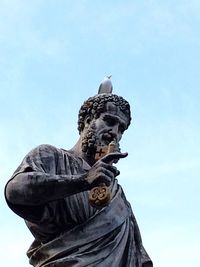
(91, 141)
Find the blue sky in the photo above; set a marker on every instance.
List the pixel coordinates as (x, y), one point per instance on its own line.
(53, 56)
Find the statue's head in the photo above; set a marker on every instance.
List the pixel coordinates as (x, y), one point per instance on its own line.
(94, 106)
(103, 118)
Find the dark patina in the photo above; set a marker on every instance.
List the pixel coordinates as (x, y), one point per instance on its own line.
(51, 189)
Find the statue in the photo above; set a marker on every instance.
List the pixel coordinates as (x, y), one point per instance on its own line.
(71, 200)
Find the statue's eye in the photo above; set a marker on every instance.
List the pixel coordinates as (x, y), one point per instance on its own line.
(110, 121)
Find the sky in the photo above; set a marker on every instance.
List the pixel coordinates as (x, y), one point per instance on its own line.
(53, 56)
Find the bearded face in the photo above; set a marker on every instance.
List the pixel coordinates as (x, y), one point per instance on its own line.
(99, 132)
(92, 140)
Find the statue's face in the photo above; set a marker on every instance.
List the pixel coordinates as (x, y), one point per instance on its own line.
(107, 128)
(110, 125)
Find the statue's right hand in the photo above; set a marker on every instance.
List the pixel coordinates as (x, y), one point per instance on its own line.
(101, 172)
(114, 157)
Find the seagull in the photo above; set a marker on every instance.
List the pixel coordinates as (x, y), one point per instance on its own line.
(106, 86)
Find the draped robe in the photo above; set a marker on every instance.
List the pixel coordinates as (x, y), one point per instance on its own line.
(69, 232)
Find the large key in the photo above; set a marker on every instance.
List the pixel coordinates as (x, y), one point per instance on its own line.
(100, 196)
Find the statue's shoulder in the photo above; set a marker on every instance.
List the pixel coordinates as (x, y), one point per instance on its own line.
(45, 149)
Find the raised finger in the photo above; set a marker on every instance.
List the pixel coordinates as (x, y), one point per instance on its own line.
(113, 156)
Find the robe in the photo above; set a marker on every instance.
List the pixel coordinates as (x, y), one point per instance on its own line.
(69, 232)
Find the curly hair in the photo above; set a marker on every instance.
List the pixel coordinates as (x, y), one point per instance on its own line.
(96, 105)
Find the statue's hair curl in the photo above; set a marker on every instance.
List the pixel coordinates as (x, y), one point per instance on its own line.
(95, 105)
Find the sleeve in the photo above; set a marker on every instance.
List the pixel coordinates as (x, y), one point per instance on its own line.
(35, 184)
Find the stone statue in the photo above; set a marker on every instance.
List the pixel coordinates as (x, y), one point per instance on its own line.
(71, 200)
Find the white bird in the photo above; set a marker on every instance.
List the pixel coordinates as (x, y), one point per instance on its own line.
(106, 86)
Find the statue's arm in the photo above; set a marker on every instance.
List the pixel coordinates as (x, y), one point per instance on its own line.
(36, 188)
(35, 182)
